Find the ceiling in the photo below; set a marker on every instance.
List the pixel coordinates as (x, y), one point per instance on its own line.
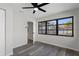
(51, 8)
(56, 8)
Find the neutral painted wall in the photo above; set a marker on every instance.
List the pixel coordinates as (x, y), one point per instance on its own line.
(62, 41)
(20, 26)
(16, 26)
(16, 33)
(9, 28)
(19, 31)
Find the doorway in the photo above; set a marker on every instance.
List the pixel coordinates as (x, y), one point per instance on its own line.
(30, 32)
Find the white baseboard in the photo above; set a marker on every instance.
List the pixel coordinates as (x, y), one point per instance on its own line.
(9, 54)
(20, 45)
(66, 47)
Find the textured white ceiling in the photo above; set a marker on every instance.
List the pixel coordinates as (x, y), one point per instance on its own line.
(56, 8)
(51, 8)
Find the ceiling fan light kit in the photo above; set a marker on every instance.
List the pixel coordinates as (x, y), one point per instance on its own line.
(36, 9)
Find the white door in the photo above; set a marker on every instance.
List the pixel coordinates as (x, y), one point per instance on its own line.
(2, 32)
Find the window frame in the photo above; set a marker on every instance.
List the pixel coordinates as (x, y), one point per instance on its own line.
(51, 25)
(57, 34)
(72, 26)
(41, 30)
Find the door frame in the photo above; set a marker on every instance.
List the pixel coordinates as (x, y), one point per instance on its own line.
(32, 30)
(5, 29)
(30, 19)
(26, 26)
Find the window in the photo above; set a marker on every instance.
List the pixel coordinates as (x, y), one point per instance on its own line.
(51, 27)
(42, 27)
(61, 26)
(65, 26)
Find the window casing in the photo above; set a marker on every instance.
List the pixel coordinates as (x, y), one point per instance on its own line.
(42, 27)
(51, 27)
(65, 26)
(61, 27)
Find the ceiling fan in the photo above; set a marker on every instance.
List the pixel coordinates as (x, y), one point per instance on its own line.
(36, 7)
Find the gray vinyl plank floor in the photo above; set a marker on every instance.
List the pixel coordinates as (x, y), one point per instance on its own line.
(42, 49)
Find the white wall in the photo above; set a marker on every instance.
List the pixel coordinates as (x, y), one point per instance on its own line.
(62, 41)
(19, 31)
(16, 34)
(16, 21)
(9, 28)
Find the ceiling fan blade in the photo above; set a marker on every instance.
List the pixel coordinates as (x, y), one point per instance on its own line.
(41, 9)
(42, 4)
(27, 7)
(34, 4)
(34, 11)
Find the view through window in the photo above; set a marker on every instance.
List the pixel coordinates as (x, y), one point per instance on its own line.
(65, 26)
(51, 27)
(61, 26)
(42, 27)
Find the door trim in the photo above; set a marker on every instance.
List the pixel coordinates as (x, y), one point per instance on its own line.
(5, 28)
